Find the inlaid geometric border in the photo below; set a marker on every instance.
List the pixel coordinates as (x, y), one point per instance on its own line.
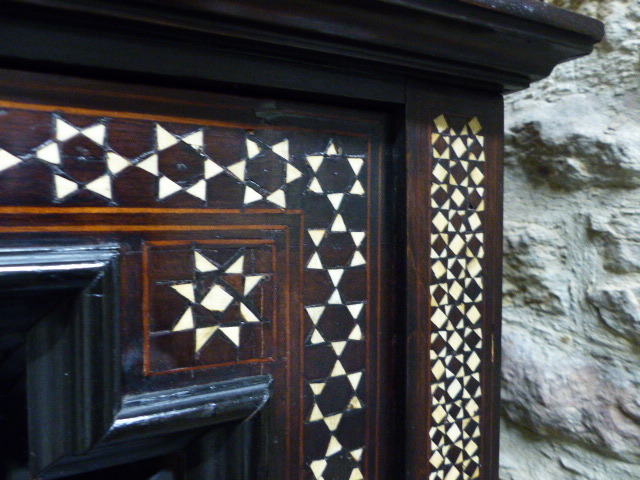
(456, 254)
(338, 404)
(77, 161)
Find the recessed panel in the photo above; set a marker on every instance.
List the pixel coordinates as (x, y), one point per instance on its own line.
(247, 249)
(216, 299)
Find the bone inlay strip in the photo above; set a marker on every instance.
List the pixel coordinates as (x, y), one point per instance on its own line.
(456, 296)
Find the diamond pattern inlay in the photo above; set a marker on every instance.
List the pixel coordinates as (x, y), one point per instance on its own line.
(457, 203)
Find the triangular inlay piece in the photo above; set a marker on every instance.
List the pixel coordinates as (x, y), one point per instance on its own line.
(356, 474)
(185, 322)
(356, 333)
(315, 186)
(316, 236)
(203, 335)
(338, 224)
(203, 264)
(253, 148)
(315, 262)
(250, 282)
(232, 333)
(357, 188)
(167, 187)
(195, 139)
(336, 275)
(150, 165)
(354, 379)
(315, 313)
(217, 300)
(338, 347)
(247, 314)
(101, 186)
(358, 237)
(7, 160)
(315, 161)
(116, 163)
(338, 370)
(251, 196)
(96, 132)
(278, 198)
(199, 190)
(358, 259)
(65, 131)
(237, 266)
(316, 413)
(64, 187)
(211, 169)
(186, 290)
(335, 199)
(281, 149)
(334, 447)
(356, 164)
(164, 139)
(318, 467)
(356, 454)
(49, 153)
(316, 338)
(335, 298)
(355, 309)
(292, 173)
(331, 149)
(355, 404)
(238, 169)
(332, 422)
(317, 387)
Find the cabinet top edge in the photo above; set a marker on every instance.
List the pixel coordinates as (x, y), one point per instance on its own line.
(514, 41)
(535, 11)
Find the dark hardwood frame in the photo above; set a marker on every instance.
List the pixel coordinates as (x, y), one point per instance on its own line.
(410, 60)
(423, 107)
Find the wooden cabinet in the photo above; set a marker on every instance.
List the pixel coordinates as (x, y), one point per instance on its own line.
(257, 240)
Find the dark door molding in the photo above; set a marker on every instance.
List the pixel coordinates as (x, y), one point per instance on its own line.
(66, 299)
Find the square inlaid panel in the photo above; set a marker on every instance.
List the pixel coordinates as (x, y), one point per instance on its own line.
(212, 301)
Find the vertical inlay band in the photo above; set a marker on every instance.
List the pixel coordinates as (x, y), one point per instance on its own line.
(456, 296)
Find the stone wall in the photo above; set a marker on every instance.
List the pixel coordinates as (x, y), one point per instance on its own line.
(571, 360)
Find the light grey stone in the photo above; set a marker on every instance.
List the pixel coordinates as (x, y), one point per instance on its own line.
(569, 153)
(529, 457)
(619, 309)
(571, 362)
(534, 272)
(619, 240)
(561, 394)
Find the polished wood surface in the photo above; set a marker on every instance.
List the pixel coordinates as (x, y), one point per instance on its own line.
(460, 41)
(244, 249)
(257, 240)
